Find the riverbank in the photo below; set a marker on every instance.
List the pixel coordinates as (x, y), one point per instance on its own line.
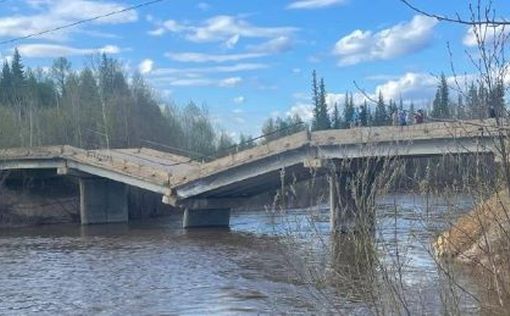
(481, 239)
(25, 209)
(57, 201)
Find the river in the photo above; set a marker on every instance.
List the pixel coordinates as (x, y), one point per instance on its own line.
(154, 267)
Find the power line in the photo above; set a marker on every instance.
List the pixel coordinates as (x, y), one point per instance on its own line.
(58, 28)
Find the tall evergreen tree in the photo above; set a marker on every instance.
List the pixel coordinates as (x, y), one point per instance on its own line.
(473, 102)
(461, 108)
(6, 85)
(496, 98)
(381, 115)
(336, 119)
(441, 105)
(315, 101)
(348, 110)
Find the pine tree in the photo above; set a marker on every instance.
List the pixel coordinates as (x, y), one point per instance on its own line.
(18, 82)
(336, 120)
(496, 98)
(348, 111)
(315, 101)
(321, 119)
(381, 116)
(461, 108)
(473, 102)
(441, 105)
(6, 86)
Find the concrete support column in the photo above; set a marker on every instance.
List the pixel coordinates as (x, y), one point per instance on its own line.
(102, 201)
(352, 195)
(341, 202)
(196, 218)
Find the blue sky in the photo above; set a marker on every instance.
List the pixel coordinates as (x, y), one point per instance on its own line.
(249, 60)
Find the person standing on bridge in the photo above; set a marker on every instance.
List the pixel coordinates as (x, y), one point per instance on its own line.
(418, 117)
(402, 118)
(394, 118)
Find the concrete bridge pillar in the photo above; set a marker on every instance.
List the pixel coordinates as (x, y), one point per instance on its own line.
(202, 218)
(209, 212)
(102, 201)
(352, 196)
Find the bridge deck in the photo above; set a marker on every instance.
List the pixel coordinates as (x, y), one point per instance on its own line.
(164, 172)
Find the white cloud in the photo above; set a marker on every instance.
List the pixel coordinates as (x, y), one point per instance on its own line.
(52, 50)
(410, 86)
(61, 12)
(221, 28)
(157, 32)
(486, 33)
(230, 82)
(276, 45)
(232, 42)
(215, 69)
(237, 111)
(198, 82)
(239, 100)
(314, 4)
(339, 99)
(191, 57)
(146, 66)
(304, 110)
(398, 40)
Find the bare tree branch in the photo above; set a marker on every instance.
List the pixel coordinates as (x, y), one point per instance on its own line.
(458, 19)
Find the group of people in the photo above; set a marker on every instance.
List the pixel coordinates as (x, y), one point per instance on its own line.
(404, 118)
(399, 117)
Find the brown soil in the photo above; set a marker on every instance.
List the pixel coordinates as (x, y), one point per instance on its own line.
(481, 239)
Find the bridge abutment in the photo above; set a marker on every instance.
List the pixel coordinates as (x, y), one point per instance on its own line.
(102, 201)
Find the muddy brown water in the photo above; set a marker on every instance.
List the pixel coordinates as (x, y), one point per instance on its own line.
(156, 268)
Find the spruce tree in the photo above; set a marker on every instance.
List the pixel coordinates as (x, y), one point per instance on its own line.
(321, 119)
(472, 102)
(461, 108)
(315, 101)
(18, 83)
(496, 98)
(381, 116)
(6, 86)
(441, 105)
(336, 121)
(348, 111)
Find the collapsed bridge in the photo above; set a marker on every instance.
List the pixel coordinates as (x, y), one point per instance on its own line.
(208, 190)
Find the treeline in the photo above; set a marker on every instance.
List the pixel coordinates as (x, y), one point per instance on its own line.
(99, 106)
(476, 101)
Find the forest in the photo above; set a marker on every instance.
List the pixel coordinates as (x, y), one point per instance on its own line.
(104, 106)
(99, 106)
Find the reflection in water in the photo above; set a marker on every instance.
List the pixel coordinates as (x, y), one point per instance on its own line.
(155, 267)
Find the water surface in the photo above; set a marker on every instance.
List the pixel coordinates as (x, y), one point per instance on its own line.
(155, 267)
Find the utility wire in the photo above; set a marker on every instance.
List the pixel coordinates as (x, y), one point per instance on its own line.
(66, 26)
